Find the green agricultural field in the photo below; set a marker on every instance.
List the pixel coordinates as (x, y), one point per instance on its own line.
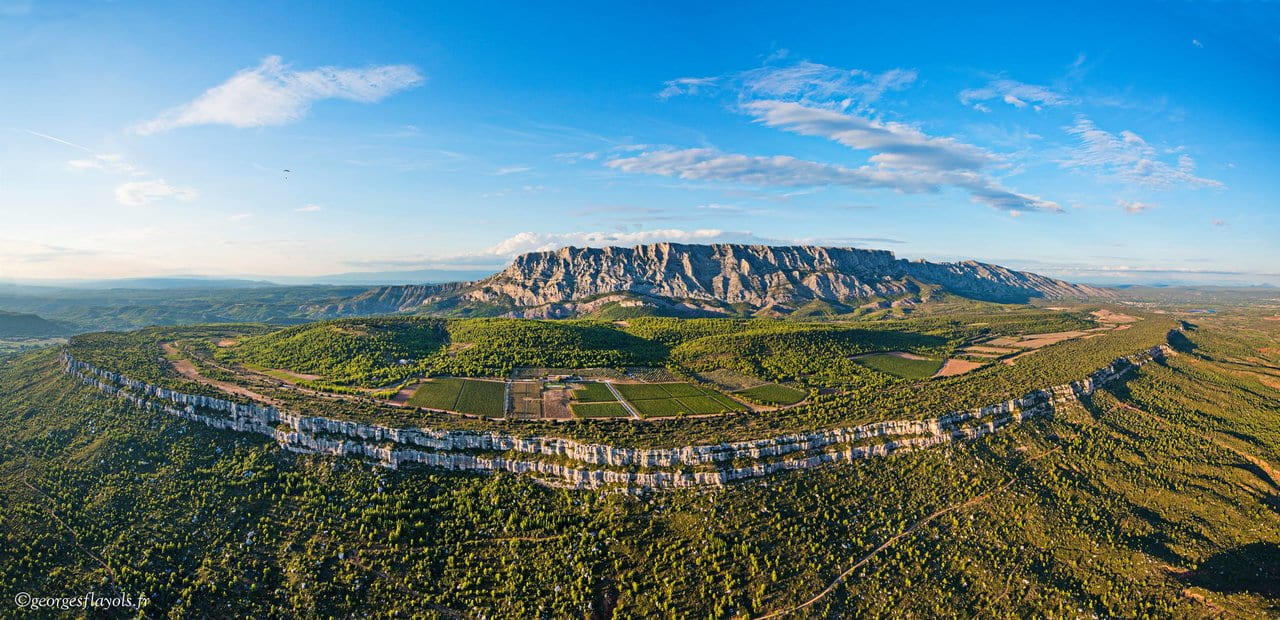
(703, 404)
(482, 398)
(900, 367)
(683, 389)
(437, 394)
(660, 407)
(594, 393)
(600, 410)
(642, 391)
(727, 403)
(773, 394)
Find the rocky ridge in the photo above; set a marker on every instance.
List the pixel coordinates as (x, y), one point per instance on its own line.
(714, 279)
(447, 450)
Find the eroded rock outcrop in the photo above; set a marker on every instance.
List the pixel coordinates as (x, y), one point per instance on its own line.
(596, 465)
(711, 277)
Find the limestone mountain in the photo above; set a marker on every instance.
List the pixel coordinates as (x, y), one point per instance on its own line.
(710, 279)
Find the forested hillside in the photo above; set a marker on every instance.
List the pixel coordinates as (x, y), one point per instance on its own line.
(19, 325)
(1156, 497)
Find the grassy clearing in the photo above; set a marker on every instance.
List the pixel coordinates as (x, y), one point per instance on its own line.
(599, 410)
(901, 367)
(437, 394)
(773, 394)
(594, 393)
(642, 391)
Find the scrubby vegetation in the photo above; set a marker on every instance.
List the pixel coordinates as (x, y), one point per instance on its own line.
(363, 351)
(1156, 498)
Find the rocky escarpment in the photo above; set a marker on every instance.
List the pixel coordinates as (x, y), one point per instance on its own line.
(596, 465)
(711, 277)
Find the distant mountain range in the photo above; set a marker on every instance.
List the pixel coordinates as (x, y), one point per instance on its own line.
(193, 282)
(680, 279)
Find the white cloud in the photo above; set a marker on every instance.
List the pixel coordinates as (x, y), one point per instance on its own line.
(273, 94)
(815, 83)
(686, 86)
(511, 170)
(1134, 207)
(109, 163)
(1127, 156)
(897, 144)
(784, 171)
(1015, 93)
(775, 171)
(813, 99)
(240, 217)
(311, 208)
(139, 193)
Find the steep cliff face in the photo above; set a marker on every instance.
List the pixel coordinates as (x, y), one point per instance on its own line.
(708, 278)
(595, 465)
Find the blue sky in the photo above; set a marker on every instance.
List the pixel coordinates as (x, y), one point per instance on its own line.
(1102, 143)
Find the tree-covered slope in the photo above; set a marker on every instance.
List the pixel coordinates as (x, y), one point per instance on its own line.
(347, 350)
(1155, 498)
(22, 325)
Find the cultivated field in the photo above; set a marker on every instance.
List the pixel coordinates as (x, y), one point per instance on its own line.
(773, 394)
(472, 396)
(900, 364)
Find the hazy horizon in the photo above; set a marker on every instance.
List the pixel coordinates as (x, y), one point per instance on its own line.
(147, 141)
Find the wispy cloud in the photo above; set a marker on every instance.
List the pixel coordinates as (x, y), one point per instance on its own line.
(140, 193)
(21, 251)
(240, 217)
(1134, 207)
(310, 208)
(60, 141)
(785, 171)
(1130, 158)
(511, 170)
(804, 81)
(1015, 93)
(895, 144)
(686, 86)
(109, 163)
(274, 94)
(813, 99)
(774, 171)
(815, 83)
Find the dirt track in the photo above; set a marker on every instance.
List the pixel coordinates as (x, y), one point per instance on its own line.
(895, 538)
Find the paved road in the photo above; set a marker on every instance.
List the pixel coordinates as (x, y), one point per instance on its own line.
(626, 404)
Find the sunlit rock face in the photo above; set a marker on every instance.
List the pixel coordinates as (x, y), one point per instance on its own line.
(777, 278)
(452, 450)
